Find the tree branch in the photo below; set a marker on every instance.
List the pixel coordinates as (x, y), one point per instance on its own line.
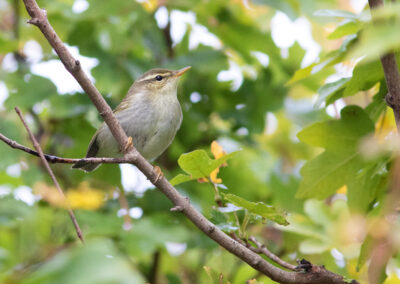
(316, 275)
(54, 159)
(263, 249)
(384, 246)
(39, 149)
(391, 72)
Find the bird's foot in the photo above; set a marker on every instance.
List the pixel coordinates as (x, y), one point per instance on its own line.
(129, 144)
(159, 174)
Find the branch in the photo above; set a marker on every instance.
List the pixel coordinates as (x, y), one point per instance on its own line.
(54, 159)
(385, 244)
(316, 275)
(39, 149)
(384, 247)
(391, 72)
(263, 249)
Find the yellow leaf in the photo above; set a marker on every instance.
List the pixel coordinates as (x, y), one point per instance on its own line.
(218, 152)
(202, 180)
(392, 279)
(213, 176)
(342, 190)
(49, 194)
(85, 197)
(385, 126)
(150, 5)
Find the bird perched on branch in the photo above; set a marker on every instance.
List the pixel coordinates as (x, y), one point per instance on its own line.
(150, 114)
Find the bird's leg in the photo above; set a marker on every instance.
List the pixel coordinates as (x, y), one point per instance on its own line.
(159, 174)
(129, 144)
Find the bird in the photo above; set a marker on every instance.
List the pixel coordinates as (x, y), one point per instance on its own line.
(150, 115)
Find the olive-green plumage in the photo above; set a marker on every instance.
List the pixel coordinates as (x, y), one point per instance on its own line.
(150, 114)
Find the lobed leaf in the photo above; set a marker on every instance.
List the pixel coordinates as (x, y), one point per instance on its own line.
(259, 208)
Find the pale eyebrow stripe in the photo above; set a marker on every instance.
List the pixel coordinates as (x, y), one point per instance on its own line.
(153, 76)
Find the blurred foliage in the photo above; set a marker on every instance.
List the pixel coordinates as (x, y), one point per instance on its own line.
(309, 147)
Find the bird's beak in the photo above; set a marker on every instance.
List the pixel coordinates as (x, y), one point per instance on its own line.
(181, 71)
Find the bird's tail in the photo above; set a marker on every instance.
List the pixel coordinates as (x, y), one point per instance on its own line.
(92, 152)
(85, 166)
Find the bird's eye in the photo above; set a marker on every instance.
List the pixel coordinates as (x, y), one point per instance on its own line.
(159, 77)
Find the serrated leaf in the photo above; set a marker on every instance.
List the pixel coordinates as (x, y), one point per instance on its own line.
(258, 208)
(333, 134)
(198, 165)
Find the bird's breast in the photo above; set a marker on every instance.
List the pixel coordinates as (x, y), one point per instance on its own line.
(152, 124)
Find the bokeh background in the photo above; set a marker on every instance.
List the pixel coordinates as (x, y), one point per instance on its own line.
(262, 71)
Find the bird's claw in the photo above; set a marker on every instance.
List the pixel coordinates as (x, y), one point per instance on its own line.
(159, 174)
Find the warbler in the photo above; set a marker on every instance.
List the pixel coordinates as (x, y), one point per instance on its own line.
(150, 113)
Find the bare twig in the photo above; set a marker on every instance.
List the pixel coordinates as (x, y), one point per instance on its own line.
(263, 249)
(316, 275)
(60, 160)
(39, 149)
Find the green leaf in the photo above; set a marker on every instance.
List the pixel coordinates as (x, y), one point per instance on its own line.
(96, 262)
(258, 208)
(330, 90)
(180, 178)
(345, 28)
(290, 7)
(30, 91)
(365, 252)
(334, 134)
(198, 165)
(365, 76)
(11, 210)
(336, 14)
(366, 187)
(341, 161)
(7, 44)
(5, 179)
(376, 40)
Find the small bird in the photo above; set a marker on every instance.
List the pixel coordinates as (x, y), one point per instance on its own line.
(150, 114)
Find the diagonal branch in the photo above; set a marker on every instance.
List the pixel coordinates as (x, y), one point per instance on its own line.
(316, 275)
(39, 149)
(264, 250)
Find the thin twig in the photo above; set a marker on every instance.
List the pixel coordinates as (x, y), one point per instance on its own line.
(60, 160)
(263, 249)
(39, 150)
